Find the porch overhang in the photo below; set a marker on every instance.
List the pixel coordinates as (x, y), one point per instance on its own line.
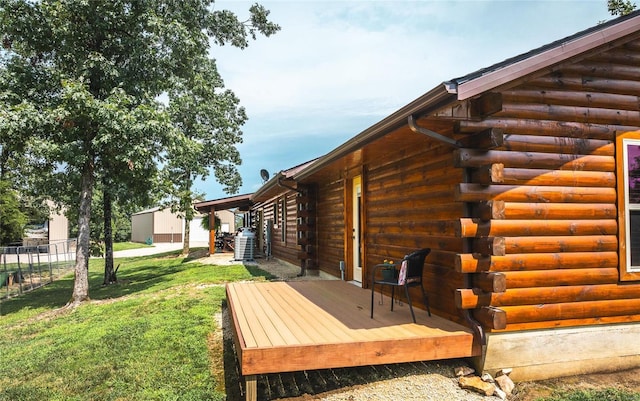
(240, 202)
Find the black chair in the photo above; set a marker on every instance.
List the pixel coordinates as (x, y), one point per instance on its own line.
(415, 265)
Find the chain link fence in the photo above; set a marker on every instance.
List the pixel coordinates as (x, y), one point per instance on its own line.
(24, 268)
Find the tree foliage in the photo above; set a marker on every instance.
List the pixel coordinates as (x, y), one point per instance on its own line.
(620, 7)
(92, 70)
(209, 120)
(12, 220)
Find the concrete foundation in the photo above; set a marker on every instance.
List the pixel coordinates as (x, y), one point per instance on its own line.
(544, 354)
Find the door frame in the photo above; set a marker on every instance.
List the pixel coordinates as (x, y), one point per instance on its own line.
(348, 219)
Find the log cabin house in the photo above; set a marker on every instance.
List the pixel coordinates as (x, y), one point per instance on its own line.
(521, 179)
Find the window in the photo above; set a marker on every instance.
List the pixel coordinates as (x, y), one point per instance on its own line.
(283, 230)
(628, 171)
(275, 214)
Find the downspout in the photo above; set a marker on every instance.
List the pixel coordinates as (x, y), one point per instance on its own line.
(288, 187)
(473, 323)
(432, 134)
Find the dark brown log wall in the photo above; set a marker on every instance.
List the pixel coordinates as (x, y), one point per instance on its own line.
(306, 229)
(330, 226)
(522, 221)
(405, 192)
(290, 247)
(547, 198)
(286, 250)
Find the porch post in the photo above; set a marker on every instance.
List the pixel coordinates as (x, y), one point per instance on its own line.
(251, 388)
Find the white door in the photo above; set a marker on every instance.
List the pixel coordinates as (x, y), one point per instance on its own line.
(357, 243)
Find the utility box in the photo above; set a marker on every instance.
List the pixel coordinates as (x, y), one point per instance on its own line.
(245, 243)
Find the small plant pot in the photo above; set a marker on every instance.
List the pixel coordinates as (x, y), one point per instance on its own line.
(389, 274)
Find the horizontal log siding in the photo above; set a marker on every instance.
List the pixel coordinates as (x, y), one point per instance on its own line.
(287, 250)
(291, 237)
(561, 267)
(410, 205)
(330, 226)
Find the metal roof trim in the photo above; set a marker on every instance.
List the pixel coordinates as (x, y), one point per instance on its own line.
(146, 211)
(258, 196)
(268, 186)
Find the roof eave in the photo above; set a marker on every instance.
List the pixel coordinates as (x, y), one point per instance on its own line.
(264, 192)
(236, 201)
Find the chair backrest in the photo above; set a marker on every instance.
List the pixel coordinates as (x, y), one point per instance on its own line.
(415, 263)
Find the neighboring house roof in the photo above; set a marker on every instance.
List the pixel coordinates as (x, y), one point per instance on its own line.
(153, 209)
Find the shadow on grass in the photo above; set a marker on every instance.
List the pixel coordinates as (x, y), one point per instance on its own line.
(149, 272)
(255, 271)
(136, 275)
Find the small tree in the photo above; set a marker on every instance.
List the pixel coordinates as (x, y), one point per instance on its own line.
(208, 119)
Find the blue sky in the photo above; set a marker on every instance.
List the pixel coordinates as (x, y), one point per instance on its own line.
(338, 67)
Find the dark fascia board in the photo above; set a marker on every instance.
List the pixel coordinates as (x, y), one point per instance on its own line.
(524, 64)
(263, 193)
(231, 202)
(272, 186)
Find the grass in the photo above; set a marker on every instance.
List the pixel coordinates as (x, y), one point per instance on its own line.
(608, 394)
(149, 337)
(124, 246)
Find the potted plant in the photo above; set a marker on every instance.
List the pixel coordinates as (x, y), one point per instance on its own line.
(389, 272)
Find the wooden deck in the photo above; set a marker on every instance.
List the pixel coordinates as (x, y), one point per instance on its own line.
(308, 325)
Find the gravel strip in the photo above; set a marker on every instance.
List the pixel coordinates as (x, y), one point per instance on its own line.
(438, 385)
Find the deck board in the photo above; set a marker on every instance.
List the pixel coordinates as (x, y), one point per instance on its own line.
(287, 317)
(260, 314)
(316, 320)
(241, 324)
(321, 324)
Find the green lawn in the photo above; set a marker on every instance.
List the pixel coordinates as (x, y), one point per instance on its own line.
(149, 337)
(123, 246)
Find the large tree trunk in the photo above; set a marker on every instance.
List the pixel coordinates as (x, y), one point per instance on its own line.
(187, 234)
(186, 204)
(81, 283)
(109, 272)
